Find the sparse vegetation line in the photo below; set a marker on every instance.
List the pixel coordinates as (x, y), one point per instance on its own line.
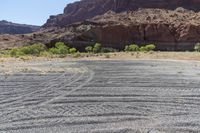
(61, 50)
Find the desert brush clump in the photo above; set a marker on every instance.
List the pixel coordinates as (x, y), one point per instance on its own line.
(97, 48)
(89, 49)
(197, 47)
(34, 50)
(136, 48)
(59, 49)
(131, 48)
(150, 47)
(72, 50)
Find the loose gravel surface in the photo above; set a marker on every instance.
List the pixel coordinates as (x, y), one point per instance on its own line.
(100, 97)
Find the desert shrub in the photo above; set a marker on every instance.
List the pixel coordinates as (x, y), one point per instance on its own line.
(14, 52)
(89, 49)
(147, 48)
(4, 53)
(54, 51)
(34, 49)
(77, 55)
(143, 48)
(126, 48)
(97, 48)
(40, 47)
(197, 47)
(108, 50)
(131, 48)
(72, 50)
(45, 54)
(60, 49)
(60, 45)
(150, 47)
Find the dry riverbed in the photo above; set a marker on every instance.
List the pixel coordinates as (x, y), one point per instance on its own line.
(122, 93)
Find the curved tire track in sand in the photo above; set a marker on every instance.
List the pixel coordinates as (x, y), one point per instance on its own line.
(115, 96)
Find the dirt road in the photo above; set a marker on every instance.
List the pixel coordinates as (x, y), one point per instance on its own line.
(101, 97)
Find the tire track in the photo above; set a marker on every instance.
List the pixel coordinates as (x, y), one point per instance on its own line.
(91, 75)
(48, 87)
(110, 95)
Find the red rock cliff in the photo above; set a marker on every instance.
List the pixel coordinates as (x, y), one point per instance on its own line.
(86, 9)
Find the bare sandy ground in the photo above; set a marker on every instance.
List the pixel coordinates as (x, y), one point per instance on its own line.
(100, 95)
(191, 56)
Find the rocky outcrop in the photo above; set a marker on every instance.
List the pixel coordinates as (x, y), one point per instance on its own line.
(86, 9)
(13, 28)
(177, 29)
(169, 30)
(121, 23)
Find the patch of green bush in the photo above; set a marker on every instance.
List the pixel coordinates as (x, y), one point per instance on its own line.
(54, 51)
(97, 48)
(76, 55)
(143, 49)
(34, 50)
(46, 54)
(150, 47)
(60, 49)
(72, 50)
(197, 47)
(89, 49)
(135, 48)
(132, 48)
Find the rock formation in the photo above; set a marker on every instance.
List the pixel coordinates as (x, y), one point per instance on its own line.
(170, 24)
(86, 9)
(13, 28)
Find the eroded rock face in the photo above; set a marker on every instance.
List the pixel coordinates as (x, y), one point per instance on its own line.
(177, 29)
(122, 23)
(86, 9)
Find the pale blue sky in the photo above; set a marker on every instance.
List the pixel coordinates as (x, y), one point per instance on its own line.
(34, 12)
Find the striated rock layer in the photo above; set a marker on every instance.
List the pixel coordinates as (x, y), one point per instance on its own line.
(116, 23)
(86, 9)
(169, 30)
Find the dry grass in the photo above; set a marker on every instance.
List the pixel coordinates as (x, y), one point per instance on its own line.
(8, 66)
(114, 56)
(146, 55)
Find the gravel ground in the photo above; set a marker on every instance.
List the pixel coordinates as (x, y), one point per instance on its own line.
(100, 96)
